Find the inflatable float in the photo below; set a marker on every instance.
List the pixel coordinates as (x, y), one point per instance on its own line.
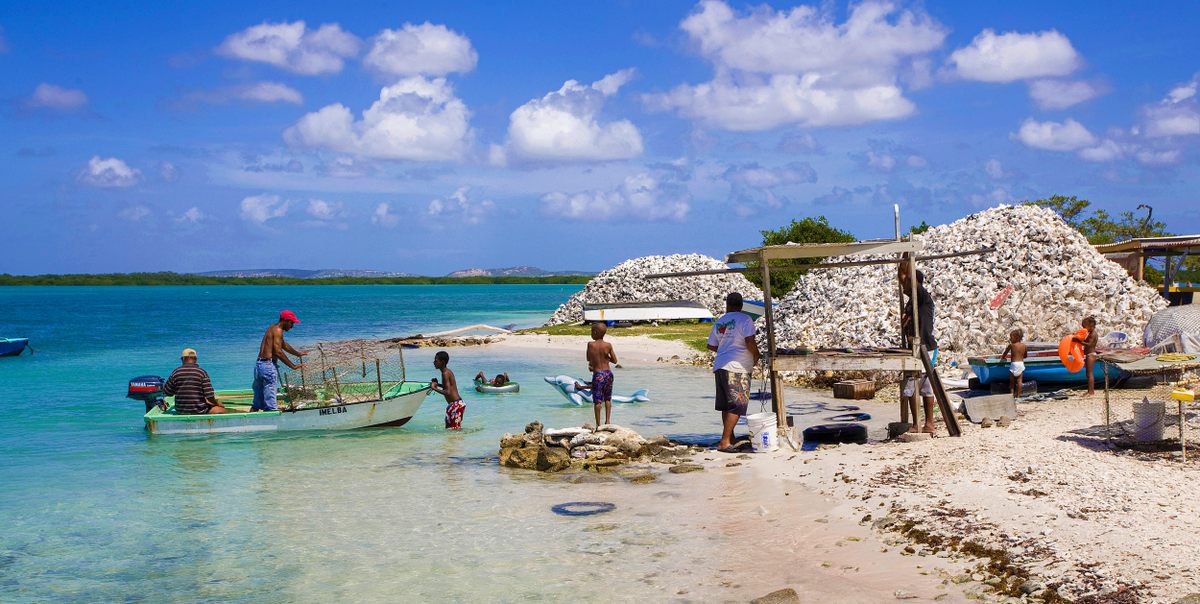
(1070, 352)
(486, 388)
(565, 385)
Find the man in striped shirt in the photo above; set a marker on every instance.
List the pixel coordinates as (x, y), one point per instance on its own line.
(192, 388)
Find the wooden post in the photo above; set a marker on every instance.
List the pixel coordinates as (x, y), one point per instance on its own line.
(769, 314)
(1182, 420)
(1107, 407)
(378, 379)
(907, 375)
(403, 371)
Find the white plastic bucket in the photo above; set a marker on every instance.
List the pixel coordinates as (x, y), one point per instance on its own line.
(1148, 420)
(762, 432)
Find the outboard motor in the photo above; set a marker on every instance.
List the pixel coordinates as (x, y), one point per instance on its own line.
(149, 390)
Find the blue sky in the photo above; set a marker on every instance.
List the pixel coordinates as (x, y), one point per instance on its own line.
(428, 137)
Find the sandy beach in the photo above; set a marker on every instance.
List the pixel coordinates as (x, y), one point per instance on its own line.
(1040, 510)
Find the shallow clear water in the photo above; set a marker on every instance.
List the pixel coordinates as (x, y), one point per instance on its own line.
(95, 509)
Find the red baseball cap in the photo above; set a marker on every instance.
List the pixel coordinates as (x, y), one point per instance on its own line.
(288, 315)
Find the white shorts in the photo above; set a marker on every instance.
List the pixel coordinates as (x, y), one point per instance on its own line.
(910, 385)
(1016, 368)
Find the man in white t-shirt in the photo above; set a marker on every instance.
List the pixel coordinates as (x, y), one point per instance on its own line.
(732, 338)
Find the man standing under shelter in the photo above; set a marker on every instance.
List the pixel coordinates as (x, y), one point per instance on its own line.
(732, 338)
(271, 351)
(915, 386)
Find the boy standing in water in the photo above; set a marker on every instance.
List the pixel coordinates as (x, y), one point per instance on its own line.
(1089, 351)
(599, 355)
(449, 389)
(1017, 349)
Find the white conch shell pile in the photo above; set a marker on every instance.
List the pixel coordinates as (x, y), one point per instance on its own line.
(627, 282)
(1057, 279)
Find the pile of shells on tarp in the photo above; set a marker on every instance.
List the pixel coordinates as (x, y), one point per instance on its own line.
(1057, 279)
(554, 449)
(627, 282)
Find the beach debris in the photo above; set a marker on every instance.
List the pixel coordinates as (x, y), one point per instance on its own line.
(583, 508)
(782, 596)
(1057, 278)
(685, 468)
(627, 282)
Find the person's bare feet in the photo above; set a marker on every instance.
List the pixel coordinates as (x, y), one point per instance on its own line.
(913, 429)
(928, 427)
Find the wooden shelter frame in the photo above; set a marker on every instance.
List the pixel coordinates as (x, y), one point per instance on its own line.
(909, 361)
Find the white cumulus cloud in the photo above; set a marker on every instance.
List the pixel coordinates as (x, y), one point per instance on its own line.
(1069, 135)
(1178, 114)
(426, 49)
(416, 118)
(261, 208)
(759, 177)
(1060, 94)
(1165, 156)
(109, 172)
(292, 46)
(56, 98)
(459, 208)
(1108, 150)
(799, 66)
(565, 124)
(383, 216)
(192, 215)
(640, 196)
(134, 213)
(1013, 56)
(994, 169)
(325, 210)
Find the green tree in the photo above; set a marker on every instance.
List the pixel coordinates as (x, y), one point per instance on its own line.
(1100, 227)
(920, 228)
(806, 230)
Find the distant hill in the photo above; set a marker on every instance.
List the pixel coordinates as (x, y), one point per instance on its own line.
(295, 273)
(515, 271)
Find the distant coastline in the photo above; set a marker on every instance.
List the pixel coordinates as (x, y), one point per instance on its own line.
(168, 278)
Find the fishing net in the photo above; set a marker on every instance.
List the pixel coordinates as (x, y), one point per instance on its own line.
(1178, 325)
(338, 373)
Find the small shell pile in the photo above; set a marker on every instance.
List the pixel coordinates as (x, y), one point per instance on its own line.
(627, 282)
(1057, 280)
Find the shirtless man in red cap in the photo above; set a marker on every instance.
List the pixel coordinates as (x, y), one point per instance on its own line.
(270, 353)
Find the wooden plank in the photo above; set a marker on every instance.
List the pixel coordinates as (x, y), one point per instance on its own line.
(939, 393)
(821, 250)
(820, 362)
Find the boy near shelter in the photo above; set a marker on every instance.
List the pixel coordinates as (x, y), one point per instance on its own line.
(600, 357)
(1089, 351)
(1017, 350)
(448, 387)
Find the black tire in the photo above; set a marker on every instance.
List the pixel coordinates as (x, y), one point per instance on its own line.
(836, 433)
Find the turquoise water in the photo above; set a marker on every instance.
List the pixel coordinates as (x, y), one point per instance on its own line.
(94, 509)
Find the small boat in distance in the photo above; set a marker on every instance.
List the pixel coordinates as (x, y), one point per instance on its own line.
(11, 347)
(633, 312)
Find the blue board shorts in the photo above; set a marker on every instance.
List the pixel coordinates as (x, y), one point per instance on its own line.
(266, 385)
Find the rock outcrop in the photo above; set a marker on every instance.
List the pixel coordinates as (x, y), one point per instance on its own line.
(553, 450)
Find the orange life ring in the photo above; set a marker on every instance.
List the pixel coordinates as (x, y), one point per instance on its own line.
(1070, 352)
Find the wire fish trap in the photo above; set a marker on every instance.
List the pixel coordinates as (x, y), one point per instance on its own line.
(338, 373)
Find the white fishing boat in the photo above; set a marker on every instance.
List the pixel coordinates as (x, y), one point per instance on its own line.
(398, 405)
(666, 310)
(352, 385)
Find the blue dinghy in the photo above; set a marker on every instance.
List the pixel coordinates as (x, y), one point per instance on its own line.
(11, 347)
(1042, 366)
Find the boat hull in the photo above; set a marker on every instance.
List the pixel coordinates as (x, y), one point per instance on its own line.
(395, 411)
(1039, 367)
(11, 347)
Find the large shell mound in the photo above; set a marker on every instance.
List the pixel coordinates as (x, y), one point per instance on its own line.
(1057, 279)
(627, 282)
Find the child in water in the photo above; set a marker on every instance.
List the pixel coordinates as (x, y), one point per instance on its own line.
(600, 355)
(1089, 351)
(455, 408)
(1018, 350)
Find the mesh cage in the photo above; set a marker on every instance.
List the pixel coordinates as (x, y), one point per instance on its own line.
(337, 373)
